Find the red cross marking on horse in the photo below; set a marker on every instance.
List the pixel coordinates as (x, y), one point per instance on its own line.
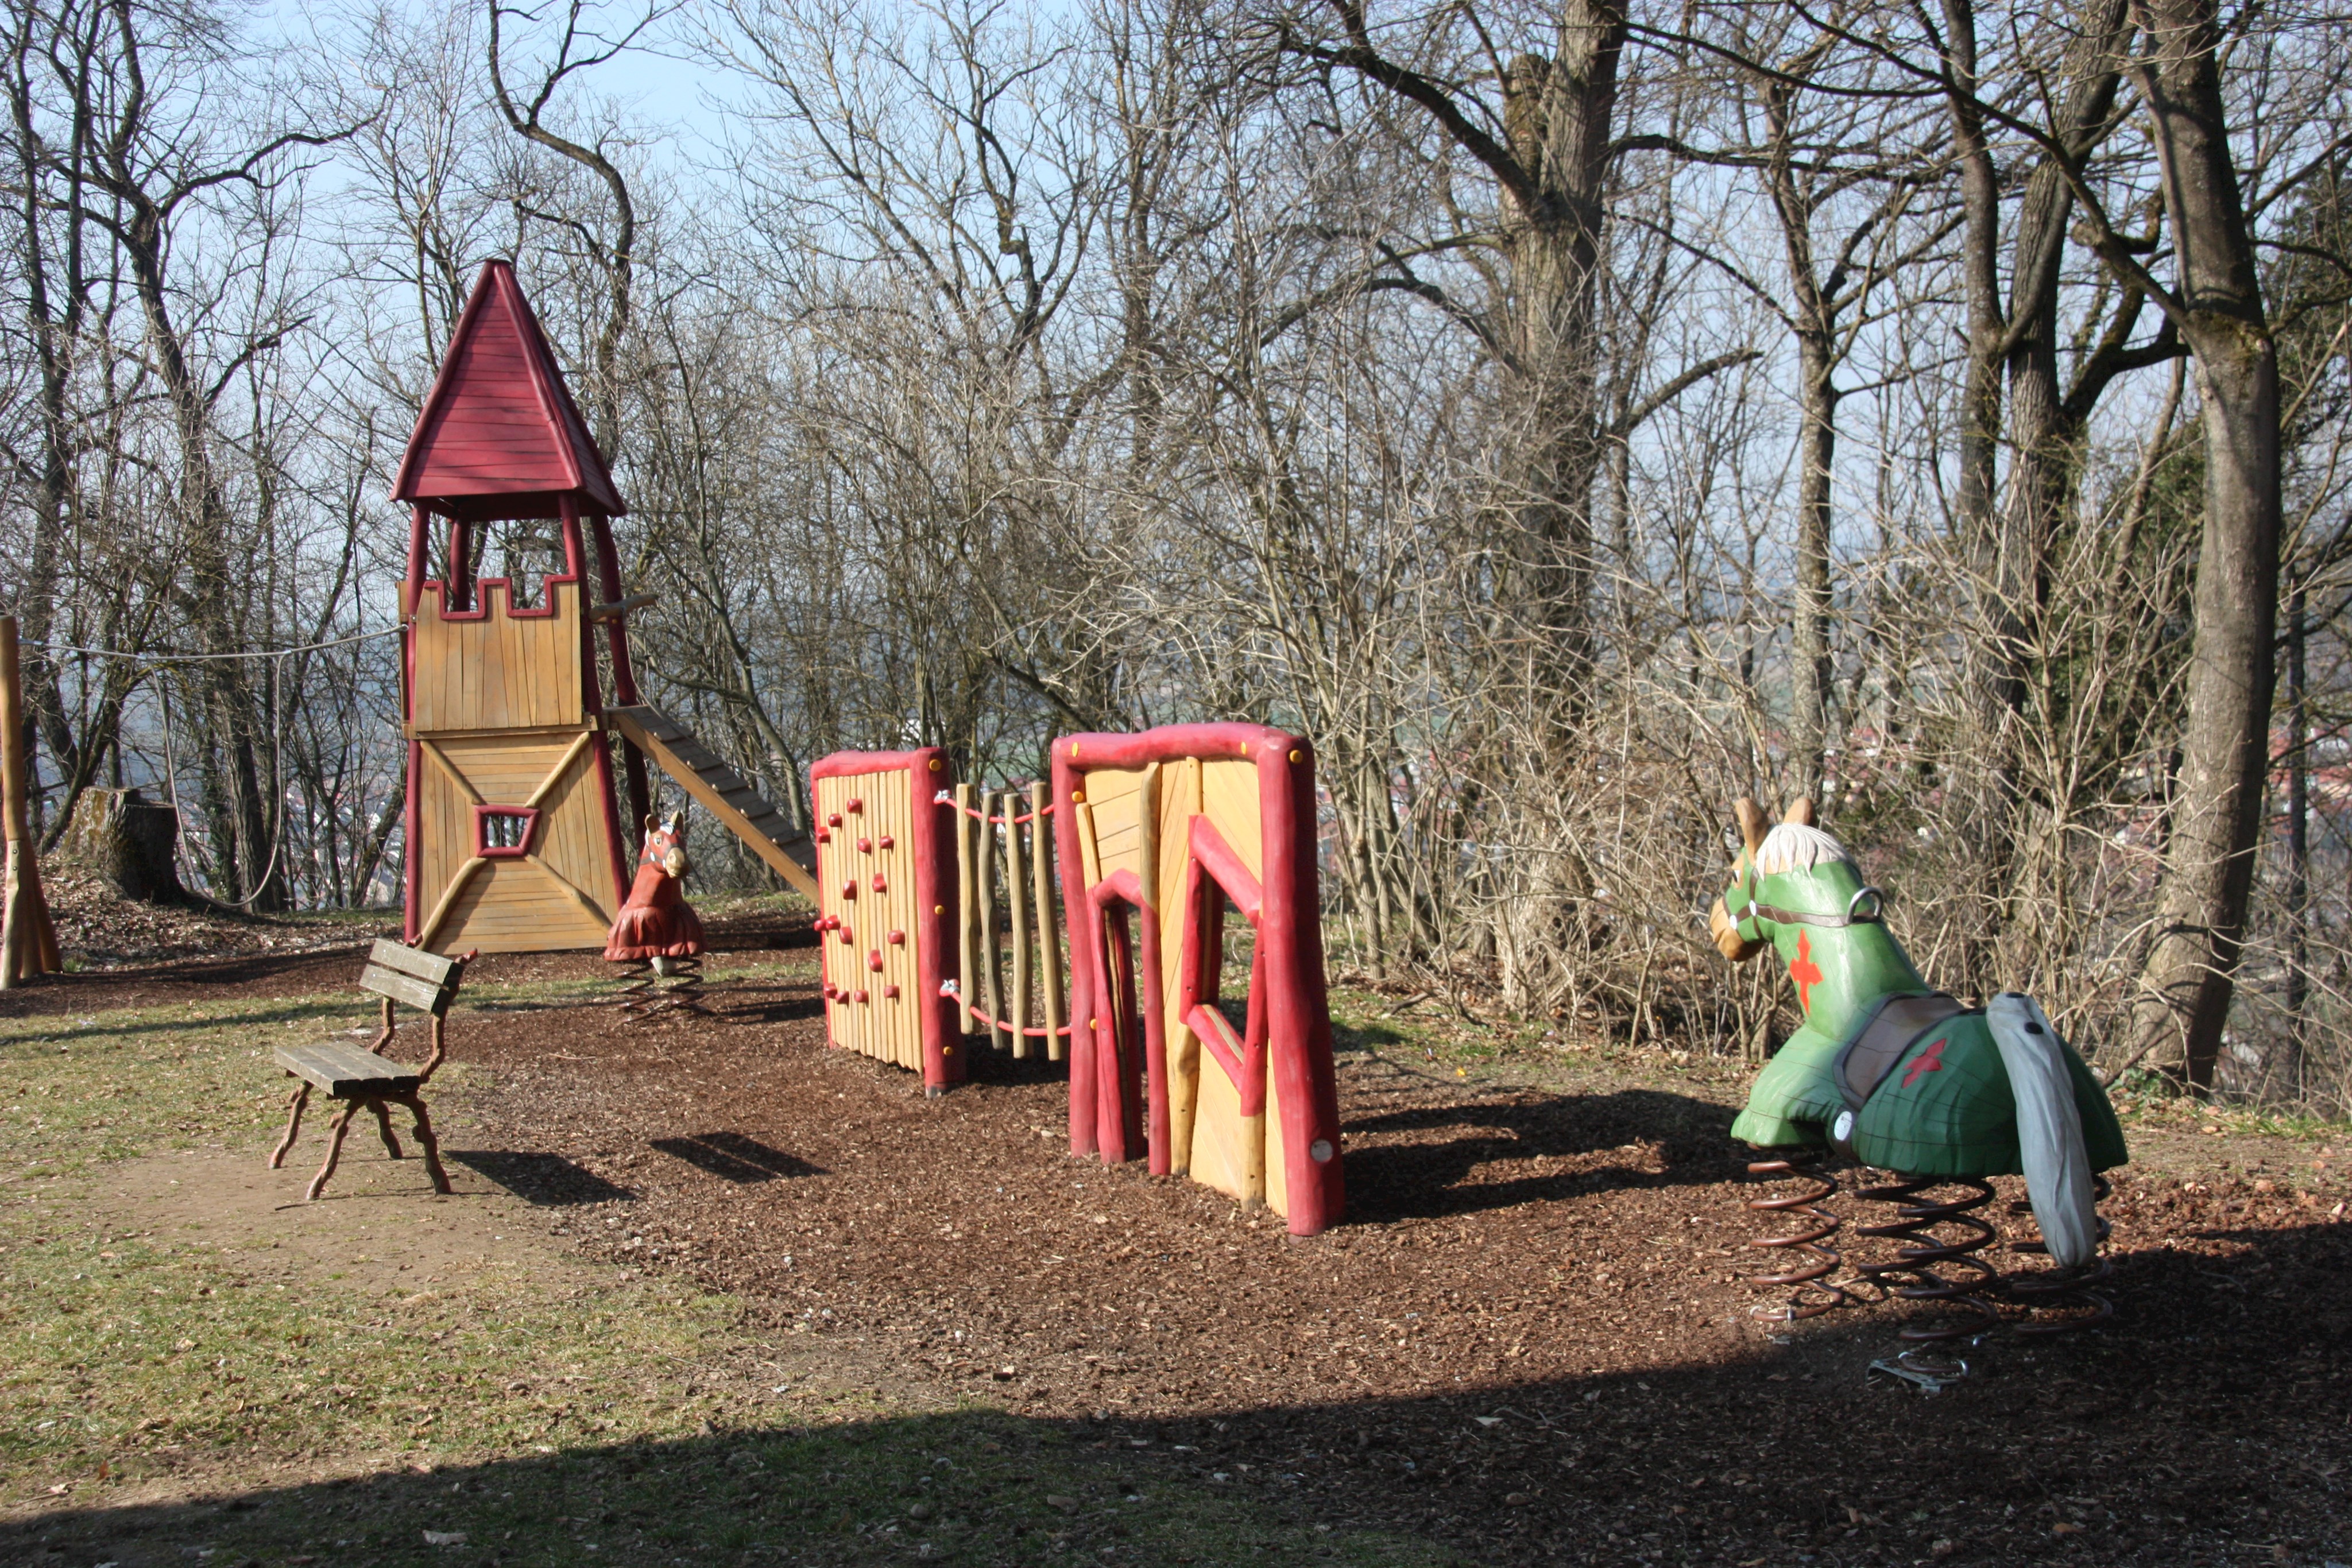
(1928, 1060)
(1804, 974)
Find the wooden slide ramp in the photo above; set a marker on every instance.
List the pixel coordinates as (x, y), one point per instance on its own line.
(723, 791)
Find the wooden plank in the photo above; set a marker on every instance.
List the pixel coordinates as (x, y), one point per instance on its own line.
(573, 890)
(345, 1071)
(638, 724)
(1180, 802)
(993, 994)
(562, 772)
(430, 968)
(449, 901)
(1230, 799)
(400, 988)
(450, 770)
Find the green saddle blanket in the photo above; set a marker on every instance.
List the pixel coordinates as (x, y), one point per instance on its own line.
(1943, 1107)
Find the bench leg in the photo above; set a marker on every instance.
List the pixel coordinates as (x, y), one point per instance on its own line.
(335, 1151)
(383, 1125)
(431, 1146)
(293, 1124)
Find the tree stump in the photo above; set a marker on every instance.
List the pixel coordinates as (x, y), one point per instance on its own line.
(127, 839)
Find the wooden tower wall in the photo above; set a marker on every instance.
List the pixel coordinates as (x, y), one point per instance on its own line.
(503, 723)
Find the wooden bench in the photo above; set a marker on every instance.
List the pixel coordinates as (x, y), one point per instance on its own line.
(426, 981)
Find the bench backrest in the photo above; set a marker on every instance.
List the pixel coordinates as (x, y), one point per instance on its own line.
(423, 980)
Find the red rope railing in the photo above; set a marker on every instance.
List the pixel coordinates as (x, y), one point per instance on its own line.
(944, 798)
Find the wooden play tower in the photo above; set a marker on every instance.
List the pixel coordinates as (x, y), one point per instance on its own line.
(515, 840)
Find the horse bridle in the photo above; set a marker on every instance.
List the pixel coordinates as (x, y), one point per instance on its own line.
(1854, 915)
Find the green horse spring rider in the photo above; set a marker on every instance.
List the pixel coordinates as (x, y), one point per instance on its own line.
(1892, 1073)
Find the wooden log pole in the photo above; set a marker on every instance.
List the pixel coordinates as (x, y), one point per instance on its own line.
(991, 992)
(1016, 895)
(967, 897)
(1049, 939)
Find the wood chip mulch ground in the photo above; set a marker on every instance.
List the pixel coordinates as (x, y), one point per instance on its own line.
(1528, 1340)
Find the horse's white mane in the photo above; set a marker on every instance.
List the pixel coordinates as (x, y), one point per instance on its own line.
(1793, 846)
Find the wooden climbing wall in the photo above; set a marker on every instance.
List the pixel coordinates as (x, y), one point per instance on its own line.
(513, 824)
(1169, 838)
(885, 876)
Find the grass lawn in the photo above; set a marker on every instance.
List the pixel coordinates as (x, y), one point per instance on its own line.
(194, 1367)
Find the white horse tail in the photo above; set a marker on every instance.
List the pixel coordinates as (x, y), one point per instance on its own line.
(2049, 1129)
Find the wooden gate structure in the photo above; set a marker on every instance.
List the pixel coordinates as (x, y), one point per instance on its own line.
(1162, 834)
(515, 844)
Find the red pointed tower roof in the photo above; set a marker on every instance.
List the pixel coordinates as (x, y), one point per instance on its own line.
(499, 435)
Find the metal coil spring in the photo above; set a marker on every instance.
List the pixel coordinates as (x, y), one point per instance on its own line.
(1815, 1293)
(650, 988)
(1930, 1257)
(2063, 1291)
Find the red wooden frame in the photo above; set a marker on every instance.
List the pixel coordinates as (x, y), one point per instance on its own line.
(926, 772)
(487, 850)
(1290, 1014)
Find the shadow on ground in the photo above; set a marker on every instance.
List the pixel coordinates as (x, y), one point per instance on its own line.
(1431, 1177)
(2206, 1425)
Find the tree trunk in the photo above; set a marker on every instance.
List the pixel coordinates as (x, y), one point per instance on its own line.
(2208, 867)
(127, 840)
(1557, 118)
(1808, 626)
(2287, 1079)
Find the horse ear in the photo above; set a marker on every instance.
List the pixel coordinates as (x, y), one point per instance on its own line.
(1751, 822)
(1801, 813)
(652, 822)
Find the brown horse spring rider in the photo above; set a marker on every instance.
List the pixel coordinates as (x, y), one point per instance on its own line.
(658, 933)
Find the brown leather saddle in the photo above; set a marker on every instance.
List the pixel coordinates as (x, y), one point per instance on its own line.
(1888, 1032)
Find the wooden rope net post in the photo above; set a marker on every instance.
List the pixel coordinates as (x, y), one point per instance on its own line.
(1016, 893)
(1049, 942)
(967, 848)
(28, 942)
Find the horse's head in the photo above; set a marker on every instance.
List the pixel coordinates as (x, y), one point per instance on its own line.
(666, 844)
(1740, 918)
(1719, 922)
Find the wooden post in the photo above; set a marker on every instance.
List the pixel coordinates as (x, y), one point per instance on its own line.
(967, 896)
(1016, 893)
(1152, 1044)
(1049, 938)
(28, 943)
(991, 990)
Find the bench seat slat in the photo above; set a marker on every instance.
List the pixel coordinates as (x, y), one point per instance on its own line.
(345, 1071)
